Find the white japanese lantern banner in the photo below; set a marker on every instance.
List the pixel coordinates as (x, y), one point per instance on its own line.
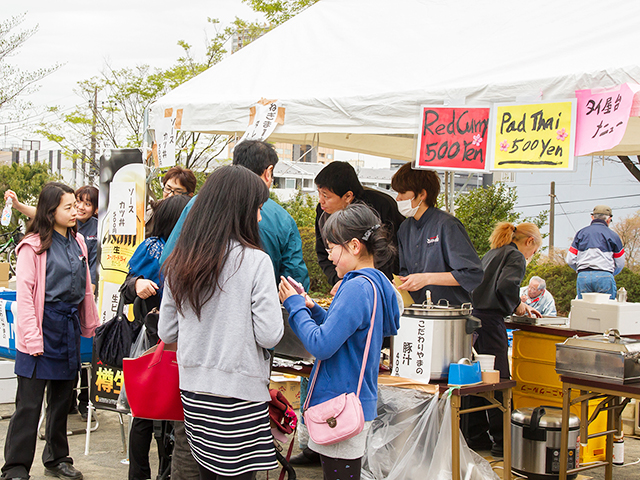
(264, 118)
(122, 208)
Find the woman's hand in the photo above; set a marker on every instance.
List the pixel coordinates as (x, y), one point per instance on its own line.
(145, 288)
(285, 290)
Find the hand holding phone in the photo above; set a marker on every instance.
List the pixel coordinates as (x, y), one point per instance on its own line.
(297, 286)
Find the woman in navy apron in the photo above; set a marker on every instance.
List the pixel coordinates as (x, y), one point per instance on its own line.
(55, 307)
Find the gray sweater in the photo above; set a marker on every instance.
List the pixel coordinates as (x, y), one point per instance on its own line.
(225, 352)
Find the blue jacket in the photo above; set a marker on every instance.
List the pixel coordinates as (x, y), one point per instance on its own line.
(280, 240)
(596, 248)
(338, 336)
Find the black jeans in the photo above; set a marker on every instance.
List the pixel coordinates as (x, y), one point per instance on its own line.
(139, 444)
(20, 444)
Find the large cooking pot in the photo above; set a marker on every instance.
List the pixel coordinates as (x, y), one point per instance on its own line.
(290, 345)
(535, 442)
(452, 333)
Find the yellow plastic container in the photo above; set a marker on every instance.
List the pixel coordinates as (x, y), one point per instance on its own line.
(535, 373)
(595, 449)
(537, 347)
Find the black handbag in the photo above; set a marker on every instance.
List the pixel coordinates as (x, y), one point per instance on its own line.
(113, 339)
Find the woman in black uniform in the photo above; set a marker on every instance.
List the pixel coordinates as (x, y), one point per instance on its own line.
(497, 297)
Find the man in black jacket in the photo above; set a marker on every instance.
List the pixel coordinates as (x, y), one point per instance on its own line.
(338, 186)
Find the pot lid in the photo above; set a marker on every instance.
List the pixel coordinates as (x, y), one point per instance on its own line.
(440, 309)
(609, 341)
(551, 419)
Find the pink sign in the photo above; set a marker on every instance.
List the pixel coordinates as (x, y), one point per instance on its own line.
(602, 117)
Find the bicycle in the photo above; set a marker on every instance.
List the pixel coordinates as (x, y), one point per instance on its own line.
(8, 248)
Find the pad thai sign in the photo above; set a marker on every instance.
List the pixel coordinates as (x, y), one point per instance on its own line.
(453, 138)
(535, 136)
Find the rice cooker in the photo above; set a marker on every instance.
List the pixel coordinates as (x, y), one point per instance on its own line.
(535, 442)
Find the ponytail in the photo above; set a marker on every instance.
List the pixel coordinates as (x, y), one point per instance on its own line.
(506, 232)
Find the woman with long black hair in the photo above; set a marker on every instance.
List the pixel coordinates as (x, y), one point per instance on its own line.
(221, 305)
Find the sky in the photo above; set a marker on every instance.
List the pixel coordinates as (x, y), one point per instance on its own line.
(83, 36)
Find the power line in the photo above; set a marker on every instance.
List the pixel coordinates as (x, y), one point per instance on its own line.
(577, 201)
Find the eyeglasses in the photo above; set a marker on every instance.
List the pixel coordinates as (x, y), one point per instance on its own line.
(170, 191)
(329, 250)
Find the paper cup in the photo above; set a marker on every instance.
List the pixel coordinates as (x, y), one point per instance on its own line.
(491, 376)
(487, 362)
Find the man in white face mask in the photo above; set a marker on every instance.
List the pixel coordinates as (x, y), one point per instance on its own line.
(434, 248)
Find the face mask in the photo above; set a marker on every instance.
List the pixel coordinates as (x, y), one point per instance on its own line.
(404, 207)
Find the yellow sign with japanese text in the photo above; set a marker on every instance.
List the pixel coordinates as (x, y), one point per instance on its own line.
(535, 136)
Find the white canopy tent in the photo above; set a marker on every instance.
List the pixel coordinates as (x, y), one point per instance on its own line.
(352, 74)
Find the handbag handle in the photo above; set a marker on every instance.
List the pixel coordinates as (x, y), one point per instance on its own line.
(364, 357)
(157, 354)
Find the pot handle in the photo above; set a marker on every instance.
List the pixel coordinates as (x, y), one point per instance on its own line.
(533, 432)
(472, 324)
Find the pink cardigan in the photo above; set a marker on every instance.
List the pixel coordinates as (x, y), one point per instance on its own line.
(30, 285)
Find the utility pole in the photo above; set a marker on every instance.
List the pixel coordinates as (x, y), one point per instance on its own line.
(552, 212)
(94, 139)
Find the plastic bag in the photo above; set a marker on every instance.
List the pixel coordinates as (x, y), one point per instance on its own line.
(141, 345)
(412, 435)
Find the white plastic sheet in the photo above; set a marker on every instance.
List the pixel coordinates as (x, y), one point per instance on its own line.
(411, 440)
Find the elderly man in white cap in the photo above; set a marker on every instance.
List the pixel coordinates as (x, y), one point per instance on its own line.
(537, 296)
(597, 254)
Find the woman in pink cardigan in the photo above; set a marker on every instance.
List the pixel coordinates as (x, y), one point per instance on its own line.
(55, 306)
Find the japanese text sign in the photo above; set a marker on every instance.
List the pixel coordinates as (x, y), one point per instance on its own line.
(602, 117)
(453, 138)
(166, 136)
(534, 136)
(264, 117)
(122, 208)
(412, 348)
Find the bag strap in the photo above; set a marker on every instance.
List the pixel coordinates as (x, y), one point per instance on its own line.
(364, 357)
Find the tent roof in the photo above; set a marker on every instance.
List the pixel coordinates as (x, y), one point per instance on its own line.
(352, 74)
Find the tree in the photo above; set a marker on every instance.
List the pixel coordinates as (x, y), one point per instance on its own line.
(634, 169)
(629, 230)
(482, 208)
(27, 181)
(279, 11)
(14, 82)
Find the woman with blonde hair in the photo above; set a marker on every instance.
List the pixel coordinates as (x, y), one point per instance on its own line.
(497, 297)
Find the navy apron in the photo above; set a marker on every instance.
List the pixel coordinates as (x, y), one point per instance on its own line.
(61, 337)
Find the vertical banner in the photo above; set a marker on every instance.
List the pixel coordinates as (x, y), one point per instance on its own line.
(412, 348)
(166, 129)
(453, 138)
(603, 117)
(264, 117)
(121, 230)
(535, 136)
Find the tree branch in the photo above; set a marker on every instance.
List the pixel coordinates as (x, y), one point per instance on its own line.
(632, 167)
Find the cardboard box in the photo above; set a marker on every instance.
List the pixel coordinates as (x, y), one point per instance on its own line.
(4, 272)
(289, 387)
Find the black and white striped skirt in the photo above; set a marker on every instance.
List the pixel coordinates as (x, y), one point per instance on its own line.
(228, 436)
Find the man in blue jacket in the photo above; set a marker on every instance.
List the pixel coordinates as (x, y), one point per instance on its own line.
(278, 230)
(597, 254)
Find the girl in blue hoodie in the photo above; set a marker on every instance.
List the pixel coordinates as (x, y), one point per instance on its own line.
(356, 245)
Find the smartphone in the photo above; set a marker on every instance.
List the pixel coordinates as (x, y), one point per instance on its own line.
(297, 286)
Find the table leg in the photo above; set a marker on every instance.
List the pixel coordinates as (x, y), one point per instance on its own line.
(506, 425)
(455, 437)
(564, 436)
(611, 424)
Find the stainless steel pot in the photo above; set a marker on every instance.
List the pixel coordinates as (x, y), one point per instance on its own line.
(535, 442)
(290, 345)
(452, 329)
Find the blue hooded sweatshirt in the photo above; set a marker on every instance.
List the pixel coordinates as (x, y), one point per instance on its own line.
(338, 336)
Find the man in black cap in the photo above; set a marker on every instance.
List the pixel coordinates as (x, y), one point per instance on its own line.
(597, 254)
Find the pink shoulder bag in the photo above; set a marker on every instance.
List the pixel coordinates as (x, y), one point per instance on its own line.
(341, 417)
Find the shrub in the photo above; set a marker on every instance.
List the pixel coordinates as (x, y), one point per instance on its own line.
(319, 285)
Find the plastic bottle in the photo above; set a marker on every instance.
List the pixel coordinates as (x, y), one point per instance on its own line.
(6, 212)
(618, 449)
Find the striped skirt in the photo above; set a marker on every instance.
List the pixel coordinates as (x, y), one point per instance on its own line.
(228, 436)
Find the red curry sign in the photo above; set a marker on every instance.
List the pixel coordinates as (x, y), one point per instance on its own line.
(453, 138)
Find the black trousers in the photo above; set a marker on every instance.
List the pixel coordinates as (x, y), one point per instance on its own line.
(139, 445)
(492, 339)
(20, 445)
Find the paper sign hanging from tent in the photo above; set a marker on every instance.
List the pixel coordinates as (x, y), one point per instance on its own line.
(534, 136)
(603, 117)
(122, 208)
(453, 138)
(264, 117)
(166, 127)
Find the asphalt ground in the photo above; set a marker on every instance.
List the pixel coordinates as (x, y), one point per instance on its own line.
(107, 460)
